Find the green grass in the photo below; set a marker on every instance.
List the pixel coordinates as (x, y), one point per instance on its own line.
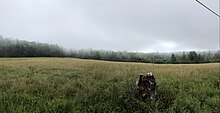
(74, 85)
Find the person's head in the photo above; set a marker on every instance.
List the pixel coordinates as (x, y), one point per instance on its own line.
(150, 74)
(141, 78)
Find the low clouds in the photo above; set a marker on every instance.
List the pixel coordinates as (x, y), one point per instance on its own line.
(143, 25)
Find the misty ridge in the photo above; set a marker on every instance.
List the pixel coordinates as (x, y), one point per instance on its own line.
(20, 48)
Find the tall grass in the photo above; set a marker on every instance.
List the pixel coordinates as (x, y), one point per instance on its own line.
(74, 85)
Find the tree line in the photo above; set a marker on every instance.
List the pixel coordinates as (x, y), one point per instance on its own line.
(159, 58)
(21, 48)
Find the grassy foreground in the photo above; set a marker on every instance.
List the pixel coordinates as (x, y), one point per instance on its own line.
(74, 85)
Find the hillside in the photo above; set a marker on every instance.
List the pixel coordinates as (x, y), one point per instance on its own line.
(21, 48)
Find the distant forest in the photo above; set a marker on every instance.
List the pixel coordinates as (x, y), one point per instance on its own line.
(21, 48)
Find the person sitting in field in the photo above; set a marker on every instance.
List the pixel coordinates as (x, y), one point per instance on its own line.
(152, 86)
(141, 86)
(146, 86)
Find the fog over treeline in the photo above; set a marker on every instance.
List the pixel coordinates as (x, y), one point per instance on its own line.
(20, 48)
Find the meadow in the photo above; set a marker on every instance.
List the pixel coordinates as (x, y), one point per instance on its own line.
(77, 86)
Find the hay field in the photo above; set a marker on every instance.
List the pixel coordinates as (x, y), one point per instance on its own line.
(76, 85)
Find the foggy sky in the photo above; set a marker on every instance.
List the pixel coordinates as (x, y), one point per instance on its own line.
(131, 25)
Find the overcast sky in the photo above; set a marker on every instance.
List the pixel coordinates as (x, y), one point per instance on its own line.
(131, 25)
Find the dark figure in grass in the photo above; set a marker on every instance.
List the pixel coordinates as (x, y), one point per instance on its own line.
(146, 86)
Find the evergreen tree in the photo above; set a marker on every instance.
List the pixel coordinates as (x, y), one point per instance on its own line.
(183, 58)
(193, 56)
(173, 58)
